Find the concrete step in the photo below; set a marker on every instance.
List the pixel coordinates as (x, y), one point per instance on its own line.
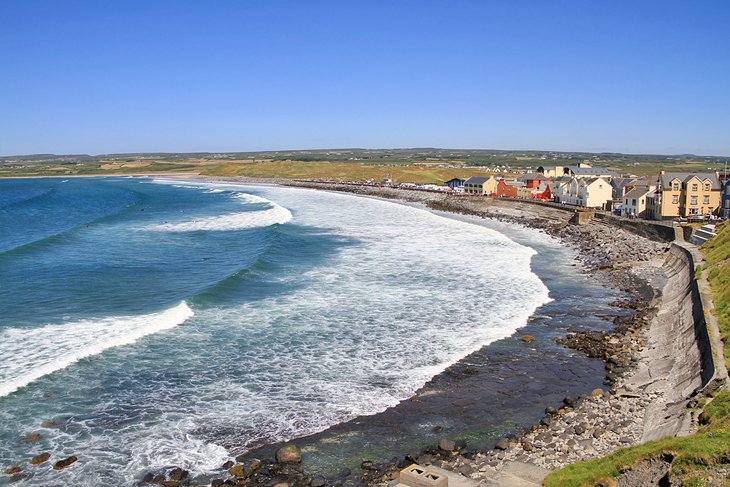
(516, 474)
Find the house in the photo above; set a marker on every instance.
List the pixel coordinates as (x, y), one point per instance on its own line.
(681, 194)
(506, 189)
(455, 183)
(588, 192)
(581, 171)
(635, 201)
(621, 186)
(481, 185)
(551, 171)
(725, 200)
(532, 180)
(543, 192)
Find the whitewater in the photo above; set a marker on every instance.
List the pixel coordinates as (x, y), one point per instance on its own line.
(178, 322)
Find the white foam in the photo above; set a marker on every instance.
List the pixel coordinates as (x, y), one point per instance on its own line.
(275, 214)
(31, 353)
(230, 221)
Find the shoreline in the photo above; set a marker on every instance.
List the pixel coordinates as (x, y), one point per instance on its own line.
(617, 405)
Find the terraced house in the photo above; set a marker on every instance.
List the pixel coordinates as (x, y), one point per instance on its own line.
(682, 194)
(481, 185)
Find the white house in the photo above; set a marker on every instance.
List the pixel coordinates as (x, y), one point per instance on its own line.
(635, 201)
(588, 192)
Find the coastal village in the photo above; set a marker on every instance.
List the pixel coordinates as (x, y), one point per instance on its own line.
(688, 196)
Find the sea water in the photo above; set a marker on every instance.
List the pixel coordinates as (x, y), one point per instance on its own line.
(153, 323)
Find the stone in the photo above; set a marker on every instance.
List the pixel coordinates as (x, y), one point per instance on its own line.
(238, 471)
(502, 444)
(227, 465)
(447, 445)
(254, 464)
(178, 474)
(527, 446)
(528, 338)
(580, 429)
(318, 481)
(61, 464)
(33, 437)
(170, 483)
(597, 392)
(13, 470)
(281, 484)
(38, 459)
(20, 477)
(289, 454)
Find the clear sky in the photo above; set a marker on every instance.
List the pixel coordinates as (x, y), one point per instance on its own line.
(141, 76)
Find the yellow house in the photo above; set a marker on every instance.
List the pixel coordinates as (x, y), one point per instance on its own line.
(481, 185)
(686, 194)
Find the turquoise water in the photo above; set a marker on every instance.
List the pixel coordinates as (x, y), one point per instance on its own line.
(163, 323)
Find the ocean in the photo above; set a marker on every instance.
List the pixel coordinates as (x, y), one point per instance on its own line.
(148, 323)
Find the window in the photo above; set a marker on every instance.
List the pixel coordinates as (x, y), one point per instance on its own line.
(675, 187)
(693, 200)
(707, 186)
(694, 187)
(706, 200)
(633, 202)
(675, 199)
(693, 211)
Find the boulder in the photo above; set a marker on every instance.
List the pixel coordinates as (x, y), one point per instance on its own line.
(446, 444)
(38, 459)
(502, 444)
(13, 470)
(318, 481)
(528, 338)
(227, 465)
(289, 454)
(238, 471)
(33, 437)
(178, 474)
(61, 464)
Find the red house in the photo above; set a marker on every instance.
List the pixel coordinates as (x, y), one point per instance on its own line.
(506, 190)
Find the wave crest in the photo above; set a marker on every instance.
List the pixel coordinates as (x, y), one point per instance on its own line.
(35, 352)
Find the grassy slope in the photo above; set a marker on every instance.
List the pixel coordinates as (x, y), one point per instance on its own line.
(711, 444)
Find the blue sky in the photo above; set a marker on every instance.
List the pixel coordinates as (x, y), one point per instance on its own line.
(134, 76)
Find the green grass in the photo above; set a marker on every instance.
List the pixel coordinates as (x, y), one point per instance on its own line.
(692, 454)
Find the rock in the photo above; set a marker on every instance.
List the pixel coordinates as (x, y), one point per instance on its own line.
(13, 470)
(227, 465)
(178, 474)
(598, 432)
(502, 444)
(254, 464)
(318, 481)
(289, 454)
(20, 476)
(447, 445)
(368, 465)
(580, 429)
(148, 478)
(281, 484)
(527, 446)
(33, 437)
(438, 429)
(38, 459)
(61, 464)
(170, 483)
(528, 338)
(597, 392)
(238, 471)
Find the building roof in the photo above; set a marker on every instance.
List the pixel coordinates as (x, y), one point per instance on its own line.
(477, 180)
(455, 179)
(667, 178)
(590, 171)
(638, 192)
(533, 176)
